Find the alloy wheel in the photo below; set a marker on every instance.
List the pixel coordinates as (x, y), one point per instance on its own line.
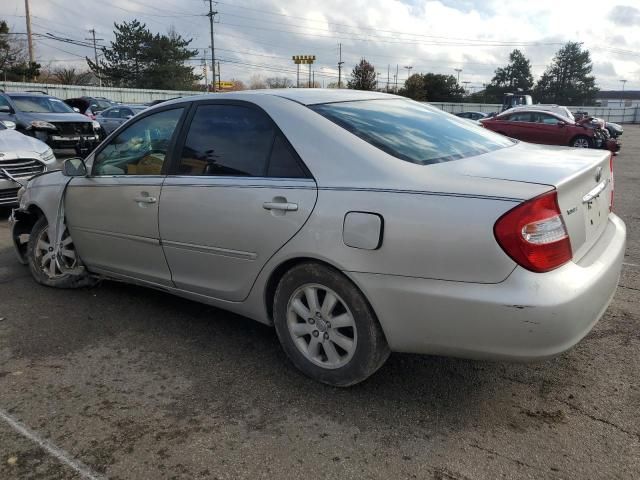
(322, 326)
(581, 143)
(46, 259)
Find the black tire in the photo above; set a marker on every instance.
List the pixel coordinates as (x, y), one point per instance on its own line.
(371, 349)
(581, 138)
(37, 271)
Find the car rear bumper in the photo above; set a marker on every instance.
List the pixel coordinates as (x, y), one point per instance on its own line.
(528, 316)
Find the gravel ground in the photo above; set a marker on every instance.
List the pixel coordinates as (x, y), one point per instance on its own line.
(133, 383)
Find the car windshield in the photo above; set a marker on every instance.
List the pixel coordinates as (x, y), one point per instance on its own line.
(412, 131)
(41, 104)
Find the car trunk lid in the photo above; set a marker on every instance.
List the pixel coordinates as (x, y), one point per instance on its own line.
(582, 178)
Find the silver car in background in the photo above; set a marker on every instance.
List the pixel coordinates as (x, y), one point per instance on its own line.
(21, 157)
(357, 223)
(113, 117)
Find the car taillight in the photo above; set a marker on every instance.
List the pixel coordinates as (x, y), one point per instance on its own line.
(533, 234)
(612, 182)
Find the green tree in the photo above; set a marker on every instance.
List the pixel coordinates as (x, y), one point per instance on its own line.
(515, 76)
(433, 87)
(139, 59)
(568, 80)
(14, 62)
(363, 76)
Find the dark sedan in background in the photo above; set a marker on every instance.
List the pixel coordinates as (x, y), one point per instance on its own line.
(472, 115)
(113, 117)
(51, 120)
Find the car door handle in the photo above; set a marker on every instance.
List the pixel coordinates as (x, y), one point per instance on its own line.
(284, 206)
(145, 199)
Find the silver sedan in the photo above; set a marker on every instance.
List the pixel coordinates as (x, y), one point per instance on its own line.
(355, 223)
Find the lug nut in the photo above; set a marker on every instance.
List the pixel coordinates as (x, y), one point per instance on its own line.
(316, 333)
(318, 314)
(326, 336)
(312, 321)
(328, 324)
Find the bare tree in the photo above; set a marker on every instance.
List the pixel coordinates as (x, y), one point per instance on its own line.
(256, 82)
(279, 82)
(69, 76)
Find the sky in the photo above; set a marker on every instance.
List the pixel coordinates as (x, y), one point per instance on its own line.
(258, 37)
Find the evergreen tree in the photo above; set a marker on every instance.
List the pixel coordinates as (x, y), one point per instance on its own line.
(363, 77)
(568, 80)
(516, 76)
(139, 59)
(432, 87)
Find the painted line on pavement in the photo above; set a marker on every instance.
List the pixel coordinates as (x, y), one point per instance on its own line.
(79, 467)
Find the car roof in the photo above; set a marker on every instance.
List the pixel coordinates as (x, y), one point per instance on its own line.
(304, 96)
(27, 94)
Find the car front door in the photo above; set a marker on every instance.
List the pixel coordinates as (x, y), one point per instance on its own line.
(112, 214)
(236, 195)
(549, 129)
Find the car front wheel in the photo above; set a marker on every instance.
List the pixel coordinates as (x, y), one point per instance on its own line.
(63, 271)
(326, 326)
(581, 142)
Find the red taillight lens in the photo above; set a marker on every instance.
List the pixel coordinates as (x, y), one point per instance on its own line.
(533, 234)
(612, 182)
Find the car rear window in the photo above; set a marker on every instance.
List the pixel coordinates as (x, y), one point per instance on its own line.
(412, 131)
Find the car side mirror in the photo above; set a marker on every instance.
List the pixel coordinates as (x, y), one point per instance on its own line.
(561, 123)
(5, 109)
(74, 167)
(76, 109)
(128, 117)
(9, 124)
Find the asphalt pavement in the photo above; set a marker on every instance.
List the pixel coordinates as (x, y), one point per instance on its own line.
(124, 382)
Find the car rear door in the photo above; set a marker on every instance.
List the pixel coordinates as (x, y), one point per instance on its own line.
(112, 214)
(519, 126)
(237, 193)
(110, 119)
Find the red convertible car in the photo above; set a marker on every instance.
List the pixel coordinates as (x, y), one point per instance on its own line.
(548, 128)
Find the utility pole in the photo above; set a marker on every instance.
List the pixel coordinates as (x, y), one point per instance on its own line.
(395, 77)
(388, 70)
(212, 14)
(310, 75)
(340, 62)
(623, 84)
(458, 70)
(624, 102)
(95, 50)
(313, 83)
(204, 68)
(408, 67)
(29, 38)
(219, 79)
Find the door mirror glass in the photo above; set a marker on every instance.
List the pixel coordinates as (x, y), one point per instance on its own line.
(74, 167)
(76, 109)
(5, 109)
(9, 124)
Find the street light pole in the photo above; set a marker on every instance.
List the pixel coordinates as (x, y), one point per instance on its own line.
(212, 14)
(458, 70)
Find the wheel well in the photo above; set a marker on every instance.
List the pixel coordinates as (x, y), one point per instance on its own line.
(279, 272)
(577, 136)
(27, 219)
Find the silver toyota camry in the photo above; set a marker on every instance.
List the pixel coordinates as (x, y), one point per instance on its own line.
(356, 223)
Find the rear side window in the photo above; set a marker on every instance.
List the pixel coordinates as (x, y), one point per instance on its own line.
(283, 163)
(233, 140)
(412, 131)
(519, 117)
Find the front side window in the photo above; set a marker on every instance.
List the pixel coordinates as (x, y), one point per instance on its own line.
(141, 148)
(412, 131)
(546, 119)
(233, 140)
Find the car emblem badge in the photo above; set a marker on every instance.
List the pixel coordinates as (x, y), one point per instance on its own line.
(598, 174)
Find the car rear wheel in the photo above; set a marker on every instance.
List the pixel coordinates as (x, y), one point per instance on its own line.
(63, 271)
(581, 142)
(326, 327)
